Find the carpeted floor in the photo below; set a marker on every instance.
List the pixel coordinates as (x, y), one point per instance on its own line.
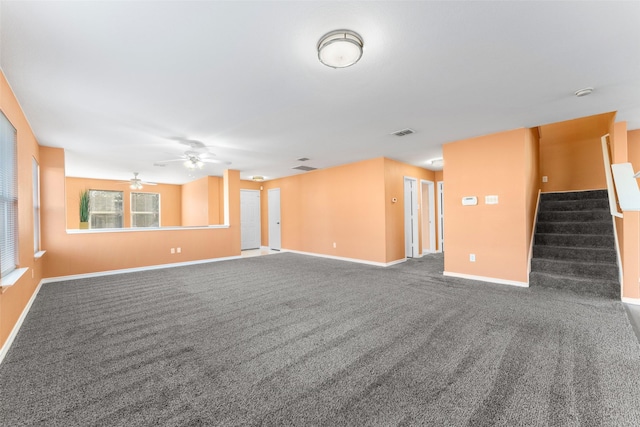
(288, 339)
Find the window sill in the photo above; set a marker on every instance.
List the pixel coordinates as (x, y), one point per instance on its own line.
(141, 229)
(39, 254)
(11, 278)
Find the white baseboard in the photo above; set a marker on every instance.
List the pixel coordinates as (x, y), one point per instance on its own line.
(487, 279)
(7, 344)
(135, 269)
(632, 301)
(360, 261)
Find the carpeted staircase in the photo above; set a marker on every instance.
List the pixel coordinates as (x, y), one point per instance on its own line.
(574, 247)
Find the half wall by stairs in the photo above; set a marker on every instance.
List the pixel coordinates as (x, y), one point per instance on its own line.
(574, 246)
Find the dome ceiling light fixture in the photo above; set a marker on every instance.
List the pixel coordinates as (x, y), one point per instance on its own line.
(340, 48)
(583, 92)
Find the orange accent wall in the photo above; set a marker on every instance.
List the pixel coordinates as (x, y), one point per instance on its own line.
(195, 202)
(627, 227)
(349, 205)
(170, 199)
(394, 174)
(14, 299)
(571, 153)
(89, 252)
(503, 164)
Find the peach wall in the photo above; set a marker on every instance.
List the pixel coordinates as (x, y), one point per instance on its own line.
(90, 252)
(349, 205)
(195, 202)
(532, 179)
(501, 164)
(571, 153)
(394, 174)
(170, 199)
(14, 299)
(343, 204)
(628, 227)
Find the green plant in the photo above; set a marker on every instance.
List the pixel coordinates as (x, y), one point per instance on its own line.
(84, 206)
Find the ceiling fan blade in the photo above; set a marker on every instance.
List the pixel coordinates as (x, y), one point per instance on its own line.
(221, 162)
(148, 183)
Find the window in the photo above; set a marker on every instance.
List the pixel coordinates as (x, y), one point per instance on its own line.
(105, 209)
(145, 209)
(36, 206)
(8, 197)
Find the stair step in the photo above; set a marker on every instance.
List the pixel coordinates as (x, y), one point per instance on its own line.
(575, 195)
(585, 269)
(579, 216)
(591, 227)
(574, 205)
(579, 240)
(606, 255)
(599, 287)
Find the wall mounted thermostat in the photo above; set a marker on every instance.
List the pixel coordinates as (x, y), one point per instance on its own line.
(469, 201)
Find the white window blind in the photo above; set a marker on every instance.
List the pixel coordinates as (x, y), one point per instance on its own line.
(105, 209)
(36, 206)
(145, 209)
(8, 197)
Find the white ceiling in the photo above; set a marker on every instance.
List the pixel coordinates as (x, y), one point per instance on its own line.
(119, 84)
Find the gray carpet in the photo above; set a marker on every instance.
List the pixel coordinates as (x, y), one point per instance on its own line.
(288, 339)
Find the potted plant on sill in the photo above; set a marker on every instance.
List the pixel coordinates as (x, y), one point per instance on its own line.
(84, 209)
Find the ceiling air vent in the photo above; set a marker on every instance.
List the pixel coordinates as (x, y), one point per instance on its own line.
(304, 168)
(403, 132)
(303, 159)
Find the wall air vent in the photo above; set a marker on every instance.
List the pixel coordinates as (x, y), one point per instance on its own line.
(403, 132)
(304, 168)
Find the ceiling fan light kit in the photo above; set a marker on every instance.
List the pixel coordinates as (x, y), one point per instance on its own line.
(340, 48)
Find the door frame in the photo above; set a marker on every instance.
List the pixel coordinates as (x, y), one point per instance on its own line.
(431, 208)
(440, 191)
(411, 211)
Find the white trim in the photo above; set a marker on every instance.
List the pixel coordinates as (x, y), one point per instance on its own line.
(487, 279)
(39, 254)
(414, 213)
(533, 233)
(12, 335)
(136, 269)
(11, 278)
(431, 216)
(143, 229)
(339, 258)
(440, 214)
(632, 301)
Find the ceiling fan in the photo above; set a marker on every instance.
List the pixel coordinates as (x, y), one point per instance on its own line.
(193, 160)
(136, 183)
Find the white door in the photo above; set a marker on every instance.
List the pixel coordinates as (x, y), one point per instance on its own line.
(249, 219)
(411, 217)
(428, 217)
(274, 219)
(440, 216)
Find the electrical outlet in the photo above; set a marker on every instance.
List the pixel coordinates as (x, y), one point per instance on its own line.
(545, 179)
(472, 257)
(178, 250)
(173, 250)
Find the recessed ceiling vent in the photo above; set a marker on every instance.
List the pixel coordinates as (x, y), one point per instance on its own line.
(303, 159)
(304, 168)
(403, 132)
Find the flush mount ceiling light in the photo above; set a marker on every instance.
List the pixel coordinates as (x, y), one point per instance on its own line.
(583, 92)
(340, 48)
(257, 178)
